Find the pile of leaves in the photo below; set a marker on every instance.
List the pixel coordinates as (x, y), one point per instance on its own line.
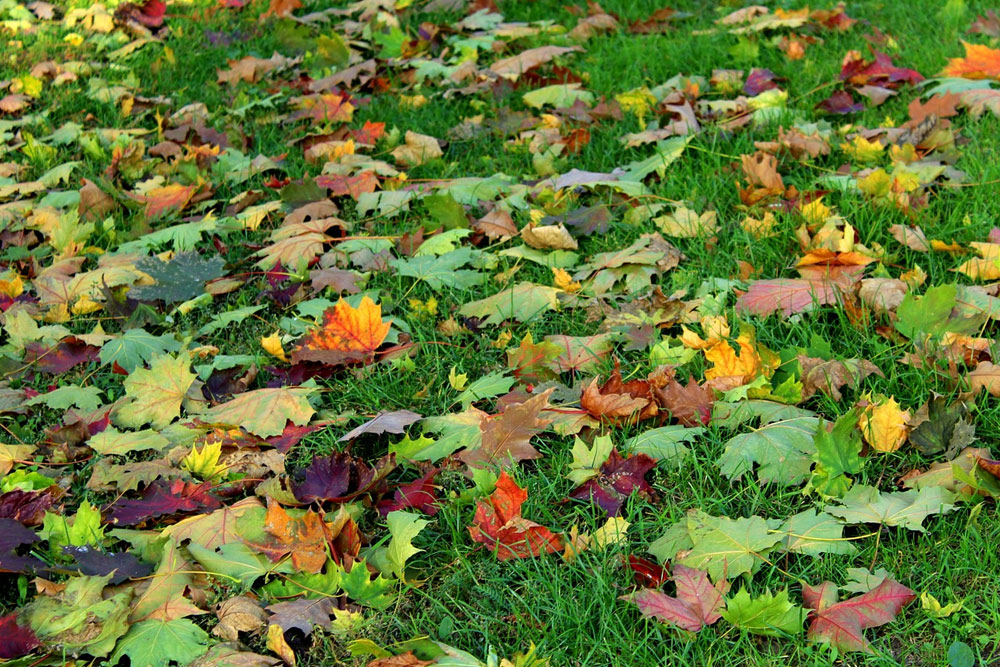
(169, 496)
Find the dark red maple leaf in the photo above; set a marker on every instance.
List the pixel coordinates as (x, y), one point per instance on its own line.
(878, 72)
(28, 507)
(60, 358)
(646, 572)
(840, 102)
(419, 494)
(618, 479)
(15, 640)
(291, 436)
(759, 81)
(13, 536)
(499, 524)
(339, 477)
(163, 498)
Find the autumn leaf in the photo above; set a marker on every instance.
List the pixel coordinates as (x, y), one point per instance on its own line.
(264, 412)
(346, 334)
(617, 479)
(506, 436)
(842, 624)
(980, 62)
(498, 524)
(155, 394)
(339, 477)
(15, 640)
(884, 425)
(697, 604)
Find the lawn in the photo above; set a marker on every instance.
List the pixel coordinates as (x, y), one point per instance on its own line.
(499, 333)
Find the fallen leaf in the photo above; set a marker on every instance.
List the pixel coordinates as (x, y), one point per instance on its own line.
(697, 604)
(842, 624)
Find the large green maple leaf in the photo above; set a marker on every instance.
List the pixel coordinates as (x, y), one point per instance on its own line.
(161, 643)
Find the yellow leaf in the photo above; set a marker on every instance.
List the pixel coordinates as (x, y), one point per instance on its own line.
(272, 345)
(204, 462)
(930, 604)
(13, 286)
(458, 381)
(884, 425)
(346, 333)
(638, 101)
(562, 280)
(276, 643)
(863, 151)
(614, 531)
(732, 369)
(574, 543)
(759, 229)
(816, 212)
(156, 393)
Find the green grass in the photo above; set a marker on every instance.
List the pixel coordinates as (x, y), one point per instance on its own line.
(462, 595)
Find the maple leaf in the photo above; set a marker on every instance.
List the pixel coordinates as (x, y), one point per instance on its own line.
(28, 507)
(498, 523)
(980, 62)
(690, 405)
(79, 617)
(264, 412)
(789, 295)
(120, 566)
(830, 375)
(842, 624)
(15, 640)
(180, 279)
(697, 603)
(884, 425)
(514, 66)
(281, 8)
(617, 402)
(347, 334)
(163, 499)
(506, 436)
(339, 477)
(155, 393)
(305, 537)
(768, 614)
(419, 494)
(618, 479)
(13, 536)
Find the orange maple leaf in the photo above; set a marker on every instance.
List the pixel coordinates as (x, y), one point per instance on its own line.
(346, 334)
(731, 370)
(281, 8)
(499, 525)
(980, 62)
(305, 538)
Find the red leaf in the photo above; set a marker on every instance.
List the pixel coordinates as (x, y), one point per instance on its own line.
(499, 524)
(163, 499)
(697, 603)
(842, 103)
(879, 72)
(647, 573)
(419, 494)
(28, 507)
(60, 358)
(788, 295)
(15, 641)
(842, 623)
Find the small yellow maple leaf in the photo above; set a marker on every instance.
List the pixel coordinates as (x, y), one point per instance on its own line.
(412, 101)
(85, 305)
(930, 604)
(638, 101)
(816, 212)
(562, 280)
(503, 339)
(733, 369)
(883, 424)
(759, 229)
(12, 286)
(614, 531)
(574, 543)
(863, 151)
(272, 345)
(204, 463)
(458, 381)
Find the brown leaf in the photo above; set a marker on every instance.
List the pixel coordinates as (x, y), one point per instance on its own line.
(402, 660)
(690, 405)
(305, 538)
(416, 150)
(513, 67)
(497, 224)
(761, 171)
(912, 237)
(986, 376)
(506, 436)
(94, 203)
(617, 402)
(238, 614)
(830, 376)
(883, 295)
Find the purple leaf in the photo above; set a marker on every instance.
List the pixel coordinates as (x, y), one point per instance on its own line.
(618, 478)
(94, 562)
(339, 477)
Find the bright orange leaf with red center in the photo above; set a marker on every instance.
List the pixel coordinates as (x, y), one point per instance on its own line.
(500, 525)
(980, 62)
(347, 334)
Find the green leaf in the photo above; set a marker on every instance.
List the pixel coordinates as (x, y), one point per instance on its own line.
(236, 560)
(403, 526)
(62, 398)
(161, 643)
(723, 547)
(907, 509)
(814, 533)
(587, 461)
(441, 272)
(135, 348)
(961, 654)
(312, 586)
(767, 614)
(377, 593)
(83, 529)
(223, 320)
(666, 154)
(455, 432)
(838, 454)
(488, 386)
(446, 212)
(113, 441)
(79, 618)
(559, 96)
(783, 451)
(443, 243)
(734, 415)
(156, 393)
(523, 302)
(180, 279)
(927, 314)
(664, 443)
(556, 259)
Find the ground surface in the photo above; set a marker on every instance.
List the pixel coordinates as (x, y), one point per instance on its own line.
(408, 159)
